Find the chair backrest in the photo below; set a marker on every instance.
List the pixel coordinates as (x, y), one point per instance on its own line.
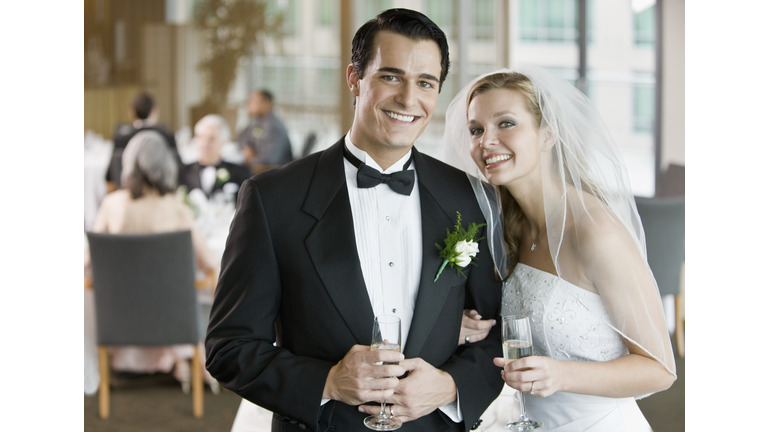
(309, 144)
(144, 288)
(664, 224)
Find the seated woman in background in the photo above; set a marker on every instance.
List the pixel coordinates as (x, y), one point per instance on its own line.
(147, 204)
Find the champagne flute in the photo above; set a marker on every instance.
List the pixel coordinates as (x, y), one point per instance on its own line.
(518, 343)
(386, 336)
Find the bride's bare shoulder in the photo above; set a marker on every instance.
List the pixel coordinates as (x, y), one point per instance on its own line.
(598, 230)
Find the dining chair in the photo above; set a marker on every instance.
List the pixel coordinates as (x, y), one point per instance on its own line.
(663, 220)
(144, 294)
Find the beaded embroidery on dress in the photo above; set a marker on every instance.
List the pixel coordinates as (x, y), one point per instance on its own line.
(567, 322)
(571, 324)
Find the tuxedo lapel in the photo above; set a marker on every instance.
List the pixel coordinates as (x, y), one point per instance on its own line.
(192, 176)
(331, 244)
(436, 208)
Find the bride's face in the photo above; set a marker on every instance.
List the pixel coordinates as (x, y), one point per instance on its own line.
(504, 137)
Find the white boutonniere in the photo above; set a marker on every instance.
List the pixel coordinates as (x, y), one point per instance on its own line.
(222, 175)
(461, 247)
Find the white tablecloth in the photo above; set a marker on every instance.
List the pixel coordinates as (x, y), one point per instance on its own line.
(97, 154)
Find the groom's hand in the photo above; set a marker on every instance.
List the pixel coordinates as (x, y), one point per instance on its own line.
(357, 378)
(424, 390)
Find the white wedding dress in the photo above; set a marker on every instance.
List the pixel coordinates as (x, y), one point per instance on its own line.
(568, 323)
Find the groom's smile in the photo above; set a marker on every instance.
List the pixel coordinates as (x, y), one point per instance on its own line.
(396, 97)
(401, 117)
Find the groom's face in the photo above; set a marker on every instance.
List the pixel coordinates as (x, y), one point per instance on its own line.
(397, 95)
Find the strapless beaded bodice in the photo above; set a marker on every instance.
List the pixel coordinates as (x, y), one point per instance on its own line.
(571, 324)
(567, 322)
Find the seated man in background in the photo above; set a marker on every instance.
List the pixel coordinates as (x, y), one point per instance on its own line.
(210, 173)
(144, 114)
(265, 140)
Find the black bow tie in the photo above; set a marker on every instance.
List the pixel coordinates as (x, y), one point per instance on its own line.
(367, 177)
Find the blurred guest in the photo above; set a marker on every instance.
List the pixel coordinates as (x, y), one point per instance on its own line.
(265, 140)
(147, 204)
(144, 114)
(210, 173)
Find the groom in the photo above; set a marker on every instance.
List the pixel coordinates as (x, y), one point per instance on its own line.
(317, 249)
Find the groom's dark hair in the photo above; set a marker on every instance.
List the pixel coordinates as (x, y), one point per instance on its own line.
(411, 24)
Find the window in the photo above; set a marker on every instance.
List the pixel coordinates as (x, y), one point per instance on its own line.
(326, 13)
(441, 12)
(644, 107)
(371, 8)
(553, 20)
(549, 20)
(290, 11)
(484, 16)
(297, 80)
(645, 27)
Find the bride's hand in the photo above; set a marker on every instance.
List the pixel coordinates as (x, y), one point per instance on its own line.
(474, 326)
(525, 374)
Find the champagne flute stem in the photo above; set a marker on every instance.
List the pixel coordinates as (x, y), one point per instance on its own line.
(383, 412)
(522, 407)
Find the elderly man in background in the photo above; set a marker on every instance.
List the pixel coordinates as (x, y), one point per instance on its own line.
(265, 140)
(210, 173)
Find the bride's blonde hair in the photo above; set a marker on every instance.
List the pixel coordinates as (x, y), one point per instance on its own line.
(512, 213)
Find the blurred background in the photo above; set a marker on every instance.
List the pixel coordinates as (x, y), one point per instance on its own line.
(200, 56)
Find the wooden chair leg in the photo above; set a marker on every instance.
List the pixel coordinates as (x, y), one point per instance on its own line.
(680, 326)
(103, 382)
(680, 315)
(197, 384)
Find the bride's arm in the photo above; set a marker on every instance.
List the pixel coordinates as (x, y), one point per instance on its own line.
(628, 376)
(628, 291)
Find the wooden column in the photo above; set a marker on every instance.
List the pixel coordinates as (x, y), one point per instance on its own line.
(502, 34)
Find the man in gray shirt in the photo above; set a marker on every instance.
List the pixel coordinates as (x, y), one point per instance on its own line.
(264, 141)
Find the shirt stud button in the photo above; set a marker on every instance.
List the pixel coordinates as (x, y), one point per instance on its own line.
(391, 264)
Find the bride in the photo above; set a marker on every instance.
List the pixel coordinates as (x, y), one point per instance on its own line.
(566, 236)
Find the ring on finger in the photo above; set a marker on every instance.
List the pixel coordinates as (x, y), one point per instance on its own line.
(532, 384)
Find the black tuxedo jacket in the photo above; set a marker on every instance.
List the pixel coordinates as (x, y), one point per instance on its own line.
(189, 176)
(291, 274)
(123, 134)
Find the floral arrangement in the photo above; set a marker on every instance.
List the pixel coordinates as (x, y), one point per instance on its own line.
(461, 247)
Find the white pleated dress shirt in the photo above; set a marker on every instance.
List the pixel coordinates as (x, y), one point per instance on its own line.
(388, 238)
(207, 178)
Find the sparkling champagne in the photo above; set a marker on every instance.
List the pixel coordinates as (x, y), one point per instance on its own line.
(515, 349)
(386, 346)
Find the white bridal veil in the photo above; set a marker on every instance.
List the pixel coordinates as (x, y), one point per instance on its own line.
(587, 199)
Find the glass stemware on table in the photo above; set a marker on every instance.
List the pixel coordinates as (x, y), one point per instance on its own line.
(386, 336)
(518, 343)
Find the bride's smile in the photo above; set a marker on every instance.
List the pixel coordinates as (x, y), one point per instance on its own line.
(504, 137)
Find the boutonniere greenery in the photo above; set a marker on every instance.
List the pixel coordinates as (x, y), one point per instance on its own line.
(460, 248)
(222, 175)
